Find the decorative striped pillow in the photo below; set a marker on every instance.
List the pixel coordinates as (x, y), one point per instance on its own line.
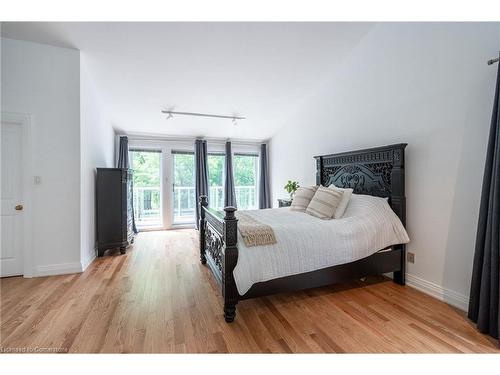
(346, 196)
(324, 203)
(302, 197)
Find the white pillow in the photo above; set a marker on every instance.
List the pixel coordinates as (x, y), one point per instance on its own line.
(346, 196)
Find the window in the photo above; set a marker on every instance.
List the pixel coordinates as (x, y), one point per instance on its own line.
(215, 164)
(245, 169)
(184, 200)
(145, 165)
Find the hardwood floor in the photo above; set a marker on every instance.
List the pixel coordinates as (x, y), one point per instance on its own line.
(159, 298)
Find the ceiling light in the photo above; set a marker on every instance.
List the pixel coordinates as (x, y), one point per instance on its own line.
(233, 118)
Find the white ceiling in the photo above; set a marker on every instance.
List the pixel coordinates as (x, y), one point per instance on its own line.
(258, 70)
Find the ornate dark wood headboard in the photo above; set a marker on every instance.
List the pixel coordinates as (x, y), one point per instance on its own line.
(378, 171)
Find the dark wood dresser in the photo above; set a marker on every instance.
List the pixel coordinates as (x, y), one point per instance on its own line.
(114, 209)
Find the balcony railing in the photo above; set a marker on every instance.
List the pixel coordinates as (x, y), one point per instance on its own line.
(147, 209)
(184, 200)
(245, 197)
(147, 206)
(184, 204)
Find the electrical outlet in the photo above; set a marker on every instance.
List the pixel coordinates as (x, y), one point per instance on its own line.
(410, 257)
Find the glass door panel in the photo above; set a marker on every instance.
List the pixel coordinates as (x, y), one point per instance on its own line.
(146, 166)
(216, 181)
(245, 180)
(184, 202)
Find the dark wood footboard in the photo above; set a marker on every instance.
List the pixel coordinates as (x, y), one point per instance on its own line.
(219, 249)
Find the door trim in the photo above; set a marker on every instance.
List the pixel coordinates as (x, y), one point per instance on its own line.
(25, 120)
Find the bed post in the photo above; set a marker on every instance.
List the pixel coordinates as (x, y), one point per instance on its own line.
(230, 258)
(203, 203)
(319, 168)
(398, 203)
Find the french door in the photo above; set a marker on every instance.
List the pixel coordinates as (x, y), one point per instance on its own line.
(164, 193)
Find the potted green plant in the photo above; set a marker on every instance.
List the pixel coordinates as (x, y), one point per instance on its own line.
(291, 187)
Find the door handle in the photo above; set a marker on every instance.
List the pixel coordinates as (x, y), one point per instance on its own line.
(19, 207)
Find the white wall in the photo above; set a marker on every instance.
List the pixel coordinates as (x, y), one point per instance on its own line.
(427, 85)
(43, 81)
(97, 150)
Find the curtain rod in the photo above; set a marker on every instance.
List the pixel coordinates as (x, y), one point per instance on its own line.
(492, 61)
(170, 113)
(173, 138)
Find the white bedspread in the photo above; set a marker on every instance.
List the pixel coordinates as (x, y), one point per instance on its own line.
(306, 243)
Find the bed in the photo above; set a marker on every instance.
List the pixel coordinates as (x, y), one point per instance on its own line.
(317, 254)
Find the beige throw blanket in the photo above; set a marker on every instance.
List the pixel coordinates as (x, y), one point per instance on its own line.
(254, 232)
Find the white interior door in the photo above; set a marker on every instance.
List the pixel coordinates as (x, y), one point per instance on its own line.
(11, 241)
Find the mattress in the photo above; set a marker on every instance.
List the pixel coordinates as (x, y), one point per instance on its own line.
(306, 243)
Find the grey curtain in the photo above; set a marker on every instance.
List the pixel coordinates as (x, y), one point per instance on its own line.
(229, 194)
(123, 162)
(485, 286)
(201, 174)
(264, 191)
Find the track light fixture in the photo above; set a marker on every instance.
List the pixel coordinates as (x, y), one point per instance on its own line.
(234, 119)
